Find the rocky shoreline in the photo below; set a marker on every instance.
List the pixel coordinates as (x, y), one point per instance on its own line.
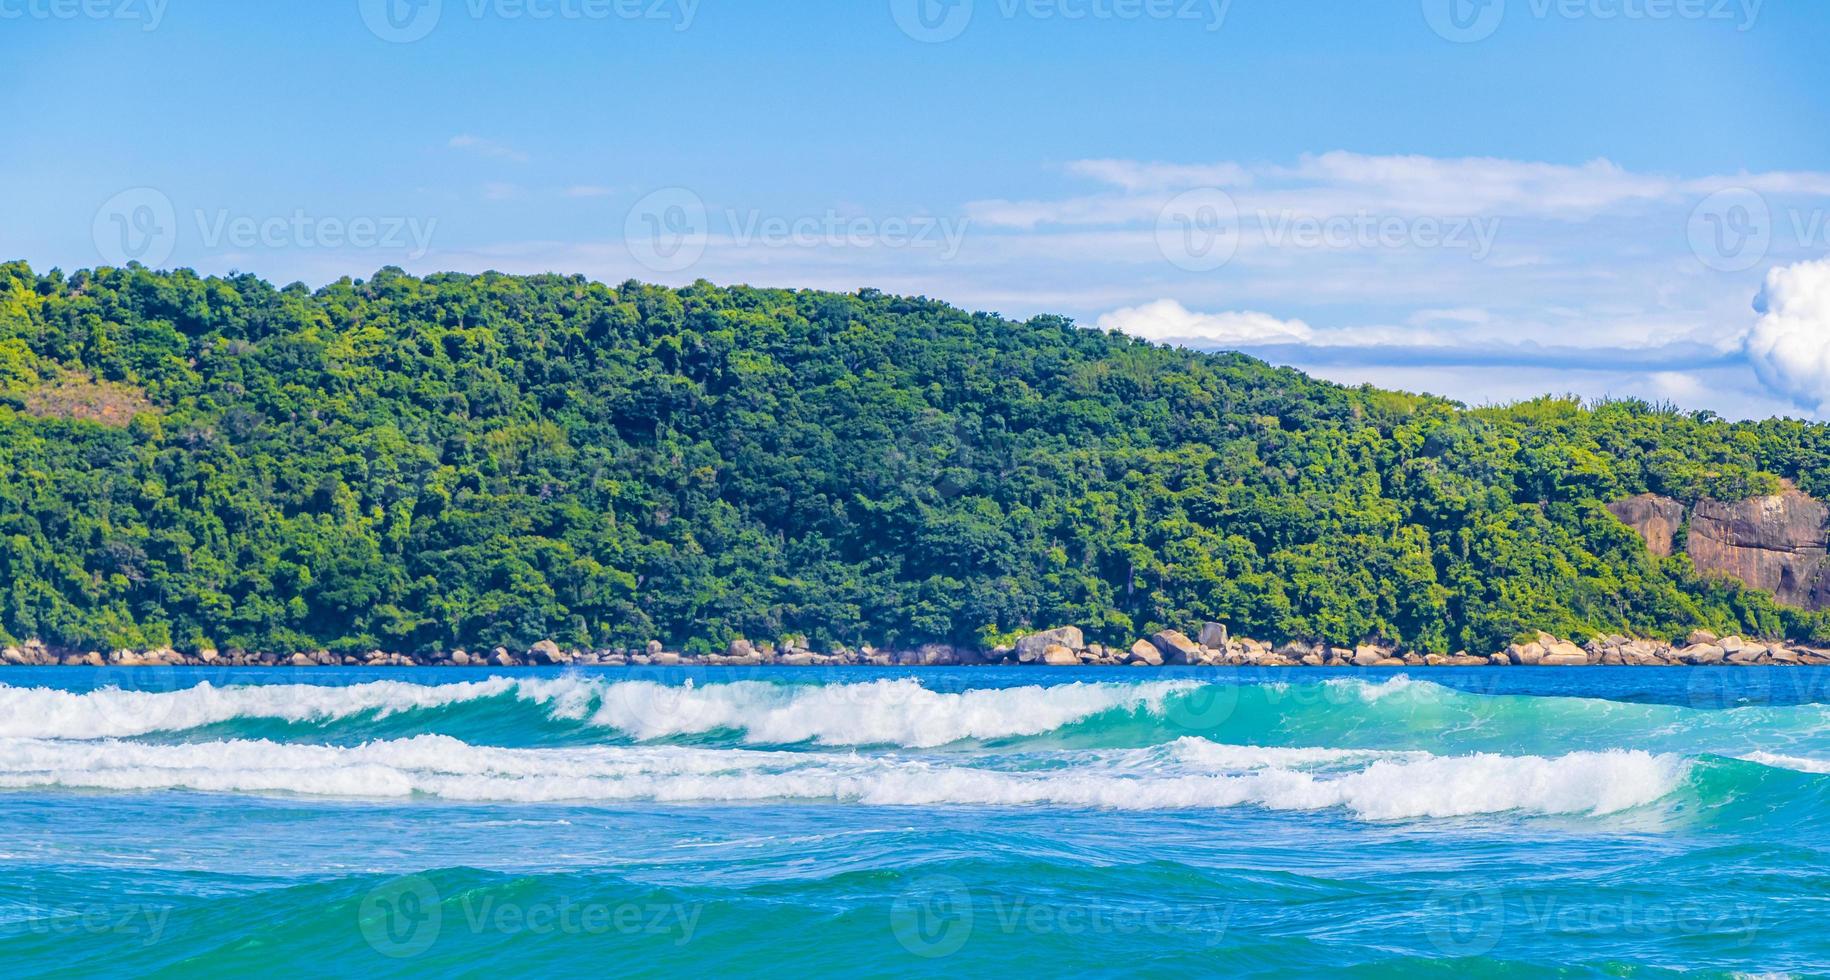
(1063, 647)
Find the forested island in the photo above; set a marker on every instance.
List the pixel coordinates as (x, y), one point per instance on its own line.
(422, 465)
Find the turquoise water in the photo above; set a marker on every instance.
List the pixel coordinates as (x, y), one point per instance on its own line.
(1591, 821)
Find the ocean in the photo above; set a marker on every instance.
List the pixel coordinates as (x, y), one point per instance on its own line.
(857, 822)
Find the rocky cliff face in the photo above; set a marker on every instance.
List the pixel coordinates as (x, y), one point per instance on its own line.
(1656, 518)
(1779, 544)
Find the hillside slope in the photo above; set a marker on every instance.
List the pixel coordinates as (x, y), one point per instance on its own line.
(413, 464)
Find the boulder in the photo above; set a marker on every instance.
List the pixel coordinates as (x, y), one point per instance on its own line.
(739, 647)
(1057, 655)
(1145, 652)
(1526, 654)
(1213, 636)
(1030, 648)
(502, 658)
(1700, 638)
(1176, 647)
(1369, 657)
(1562, 653)
(1702, 654)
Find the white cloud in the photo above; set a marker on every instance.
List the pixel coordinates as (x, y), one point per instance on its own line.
(1167, 321)
(1133, 175)
(1790, 345)
(588, 190)
(487, 148)
(1344, 183)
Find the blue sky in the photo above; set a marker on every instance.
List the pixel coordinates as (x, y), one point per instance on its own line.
(1487, 199)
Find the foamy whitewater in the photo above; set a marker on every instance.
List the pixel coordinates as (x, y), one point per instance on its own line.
(1215, 821)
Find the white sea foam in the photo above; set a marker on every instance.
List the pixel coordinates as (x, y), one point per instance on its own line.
(1792, 762)
(437, 766)
(898, 712)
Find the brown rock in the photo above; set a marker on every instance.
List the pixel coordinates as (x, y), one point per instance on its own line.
(1030, 648)
(1144, 652)
(1213, 636)
(1059, 656)
(1777, 544)
(1176, 647)
(1702, 654)
(1562, 653)
(1656, 518)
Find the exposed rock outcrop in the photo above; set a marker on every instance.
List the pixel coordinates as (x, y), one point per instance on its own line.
(1779, 544)
(1656, 518)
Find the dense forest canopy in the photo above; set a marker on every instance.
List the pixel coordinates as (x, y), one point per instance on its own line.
(410, 464)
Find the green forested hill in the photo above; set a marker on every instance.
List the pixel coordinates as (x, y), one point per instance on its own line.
(410, 464)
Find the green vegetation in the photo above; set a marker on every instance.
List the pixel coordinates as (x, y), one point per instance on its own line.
(411, 464)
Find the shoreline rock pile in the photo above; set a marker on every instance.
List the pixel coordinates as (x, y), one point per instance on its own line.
(1062, 647)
